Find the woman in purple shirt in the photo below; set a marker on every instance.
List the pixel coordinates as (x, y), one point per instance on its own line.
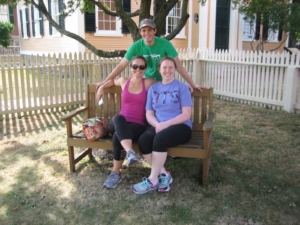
(168, 111)
(131, 122)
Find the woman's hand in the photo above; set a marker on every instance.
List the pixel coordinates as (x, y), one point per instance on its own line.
(160, 126)
(99, 84)
(100, 93)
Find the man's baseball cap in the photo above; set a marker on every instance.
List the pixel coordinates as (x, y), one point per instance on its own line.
(147, 23)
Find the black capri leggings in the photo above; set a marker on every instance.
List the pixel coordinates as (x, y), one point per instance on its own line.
(120, 130)
(159, 142)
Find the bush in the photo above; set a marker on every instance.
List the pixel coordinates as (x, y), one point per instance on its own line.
(5, 29)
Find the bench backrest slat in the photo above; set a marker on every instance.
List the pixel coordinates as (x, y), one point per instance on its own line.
(202, 104)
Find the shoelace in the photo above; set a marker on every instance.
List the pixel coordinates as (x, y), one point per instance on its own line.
(145, 182)
(164, 179)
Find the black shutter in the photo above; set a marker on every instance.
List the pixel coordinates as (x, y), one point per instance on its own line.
(279, 37)
(61, 9)
(90, 22)
(257, 27)
(265, 32)
(32, 20)
(127, 9)
(27, 22)
(21, 19)
(41, 24)
(49, 10)
(11, 14)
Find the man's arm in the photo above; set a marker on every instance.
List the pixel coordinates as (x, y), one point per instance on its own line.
(116, 71)
(182, 71)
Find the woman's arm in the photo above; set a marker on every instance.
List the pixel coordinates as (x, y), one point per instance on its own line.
(185, 115)
(109, 83)
(150, 115)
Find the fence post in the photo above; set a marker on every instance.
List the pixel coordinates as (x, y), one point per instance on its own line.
(290, 88)
(197, 72)
(97, 72)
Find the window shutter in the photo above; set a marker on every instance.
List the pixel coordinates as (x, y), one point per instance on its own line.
(257, 27)
(32, 21)
(49, 10)
(279, 38)
(41, 24)
(127, 9)
(61, 9)
(27, 22)
(21, 20)
(90, 22)
(11, 14)
(265, 32)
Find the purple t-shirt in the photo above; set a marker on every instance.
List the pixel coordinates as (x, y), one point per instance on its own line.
(168, 99)
(133, 105)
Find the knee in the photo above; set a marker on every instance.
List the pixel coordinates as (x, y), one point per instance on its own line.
(159, 144)
(118, 119)
(145, 144)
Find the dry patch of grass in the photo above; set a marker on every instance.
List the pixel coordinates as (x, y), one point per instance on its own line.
(254, 176)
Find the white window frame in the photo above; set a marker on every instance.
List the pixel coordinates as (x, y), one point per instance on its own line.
(175, 14)
(55, 16)
(247, 35)
(117, 32)
(24, 22)
(37, 21)
(4, 13)
(274, 36)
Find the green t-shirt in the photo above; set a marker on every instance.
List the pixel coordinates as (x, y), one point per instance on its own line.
(161, 48)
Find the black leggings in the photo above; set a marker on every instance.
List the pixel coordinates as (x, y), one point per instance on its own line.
(159, 142)
(120, 130)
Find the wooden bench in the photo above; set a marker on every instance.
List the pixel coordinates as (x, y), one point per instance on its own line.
(198, 147)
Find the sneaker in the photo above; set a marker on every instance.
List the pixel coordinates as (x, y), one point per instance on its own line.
(164, 182)
(112, 180)
(143, 187)
(131, 157)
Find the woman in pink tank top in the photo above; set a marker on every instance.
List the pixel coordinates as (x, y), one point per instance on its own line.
(129, 125)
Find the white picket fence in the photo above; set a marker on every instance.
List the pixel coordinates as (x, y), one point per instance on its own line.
(34, 83)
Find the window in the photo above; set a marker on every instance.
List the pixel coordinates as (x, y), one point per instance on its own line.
(273, 35)
(54, 8)
(173, 20)
(24, 17)
(37, 22)
(55, 15)
(3, 13)
(248, 31)
(106, 24)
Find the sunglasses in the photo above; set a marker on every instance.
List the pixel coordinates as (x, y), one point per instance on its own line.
(141, 67)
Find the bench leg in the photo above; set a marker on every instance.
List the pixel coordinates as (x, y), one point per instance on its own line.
(206, 165)
(71, 158)
(90, 153)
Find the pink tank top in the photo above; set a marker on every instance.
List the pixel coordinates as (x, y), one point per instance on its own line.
(133, 105)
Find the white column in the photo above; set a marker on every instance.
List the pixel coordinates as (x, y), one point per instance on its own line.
(234, 29)
(290, 88)
(203, 26)
(212, 24)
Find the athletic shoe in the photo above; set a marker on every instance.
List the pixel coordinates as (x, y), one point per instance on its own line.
(164, 182)
(112, 180)
(131, 157)
(144, 186)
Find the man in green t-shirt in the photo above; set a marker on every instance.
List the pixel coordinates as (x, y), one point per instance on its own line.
(153, 49)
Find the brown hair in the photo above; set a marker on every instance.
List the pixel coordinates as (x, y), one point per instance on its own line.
(167, 58)
(138, 57)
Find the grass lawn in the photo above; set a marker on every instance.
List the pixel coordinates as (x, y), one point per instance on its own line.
(254, 176)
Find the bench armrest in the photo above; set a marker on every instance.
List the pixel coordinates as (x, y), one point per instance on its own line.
(209, 123)
(73, 113)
